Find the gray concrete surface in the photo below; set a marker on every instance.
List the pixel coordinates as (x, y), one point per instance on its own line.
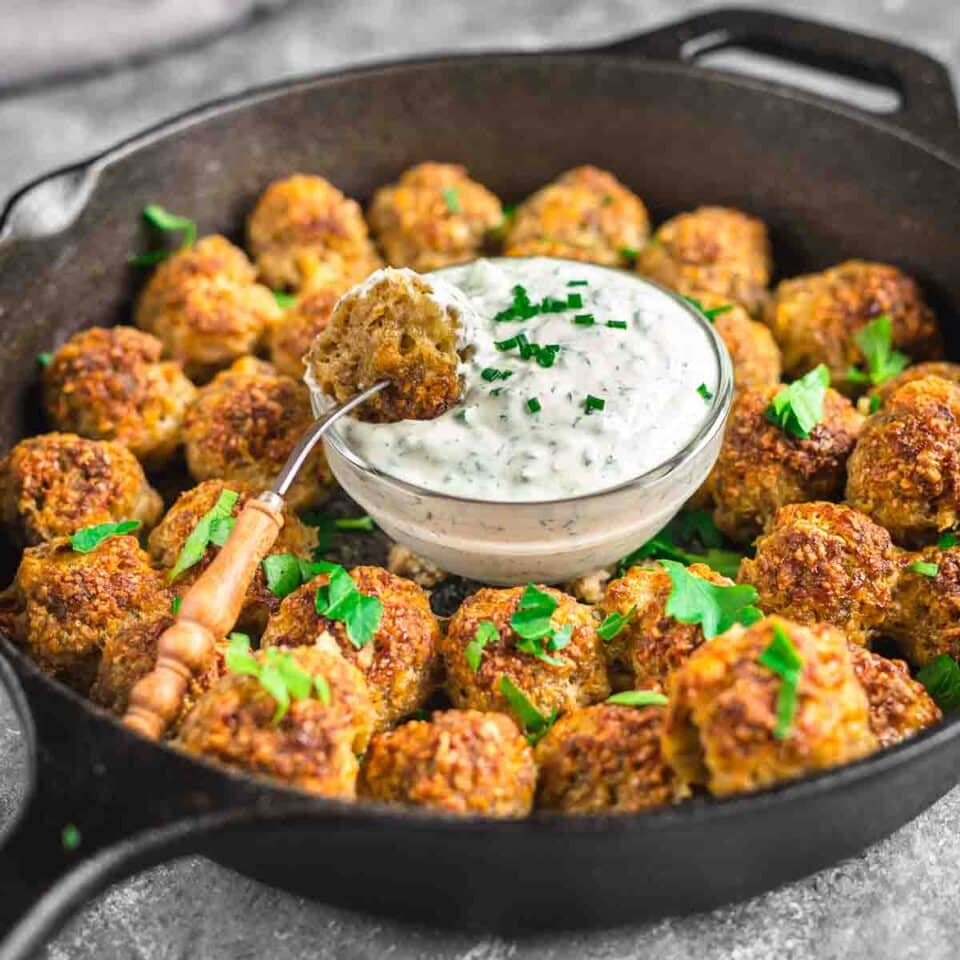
(899, 900)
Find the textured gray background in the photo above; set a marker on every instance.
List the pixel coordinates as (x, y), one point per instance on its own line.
(898, 900)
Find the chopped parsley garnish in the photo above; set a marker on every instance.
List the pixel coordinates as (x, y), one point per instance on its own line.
(220, 530)
(716, 608)
(617, 324)
(326, 524)
(284, 573)
(782, 658)
(89, 538)
(473, 653)
(339, 599)
(492, 373)
(638, 698)
(175, 605)
(704, 392)
(613, 623)
(883, 362)
(534, 724)
(284, 300)
(533, 405)
(532, 623)
(924, 567)
(45, 359)
(710, 313)
(201, 536)
(798, 407)
(452, 199)
(629, 254)
(168, 222)
(947, 540)
(584, 319)
(875, 404)
(546, 356)
(70, 837)
(592, 403)
(941, 678)
(577, 283)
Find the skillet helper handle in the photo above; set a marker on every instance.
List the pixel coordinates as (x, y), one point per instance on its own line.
(208, 611)
(928, 107)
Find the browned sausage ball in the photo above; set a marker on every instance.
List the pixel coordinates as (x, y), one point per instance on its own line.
(919, 371)
(585, 214)
(711, 249)
(168, 539)
(461, 761)
(434, 216)
(206, 307)
(816, 317)
(754, 352)
(722, 710)
(400, 665)
(825, 562)
(64, 605)
(579, 679)
(110, 384)
(762, 467)
(131, 654)
(393, 327)
(304, 229)
(604, 759)
(905, 469)
(925, 616)
(243, 426)
(313, 747)
(899, 705)
(291, 334)
(57, 483)
(651, 644)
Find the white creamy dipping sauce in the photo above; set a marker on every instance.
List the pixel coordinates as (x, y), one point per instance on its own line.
(530, 429)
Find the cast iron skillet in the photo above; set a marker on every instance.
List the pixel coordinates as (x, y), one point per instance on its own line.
(831, 182)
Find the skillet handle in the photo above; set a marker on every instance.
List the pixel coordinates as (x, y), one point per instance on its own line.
(928, 107)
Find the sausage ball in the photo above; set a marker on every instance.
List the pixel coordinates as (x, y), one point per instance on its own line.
(825, 562)
(762, 467)
(243, 426)
(205, 306)
(925, 616)
(905, 469)
(899, 705)
(651, 644)
(400, 665)
(64, 605)
(711, 249)
(57, 483)
(292, 332)
(585, 214)
(110, 384)
(434, 216)
(460, 761)
(754, 352)
(168, 539)
(397, 326)
(578, 678)
(879, 395)
(131, 654)
(816, 317)
(722, 712)
(304, 229)
(604, 759)
(314, 746)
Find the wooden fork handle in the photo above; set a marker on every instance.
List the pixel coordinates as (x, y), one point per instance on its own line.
(209, 609)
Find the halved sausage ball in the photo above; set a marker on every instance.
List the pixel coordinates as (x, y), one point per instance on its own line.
(816, 317)
(243, 426)
(399, 665)
(722, 712)
(304, 229)
(605, 759)
(64, 605)
(576, 678)
(585, 214)
(899, 705)
(292, 332)
(460, 761)
(55, 484)
(110, 384)
(651, 644)
(434, 216)
(825, 562)
(754, 352)
(905, 469)
(711, 249)
(206, 307)
(314, 746)
(762, 467)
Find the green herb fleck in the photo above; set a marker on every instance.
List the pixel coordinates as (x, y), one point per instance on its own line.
(941, 678)
(44, 359)
(507, 344)
(284, 300)
(716, 608)
(613, 623)
(89, 538)
(638, 698)
(875, 404)
(584, 319)
(947, 540)
(924, 568)
(577, 283)
(175, 604)
(782, 658)
(617, 324)
(533, 405)
(798, 407)
(532, 623)
(704, 392)
(200, 537)
(883, 362)
(161, 219)
(629, 255)
(592, 403)
(323, 690)
(451, 199)
(574, 301)
(339, 599)
(70, 837)
(535, 725)
(490, 374)
(710, 313)
(486, 633)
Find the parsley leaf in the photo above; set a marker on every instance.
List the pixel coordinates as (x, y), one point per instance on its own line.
(89, 538)
(883, 362)
(486, 633)
(941, 678)
(947, 540)
(710, 313)
(452, 199)
(531, 622)
(798, 407)
(220, 530)
(533, 723)
(638, 698)
(192, 551)
(613, 623)
(924, 568)
(283, 573)
(715, 607)
(284, 300)
(339, 599)
(168, 222)
(782, 658)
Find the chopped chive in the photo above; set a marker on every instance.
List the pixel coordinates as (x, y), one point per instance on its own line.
(593, 403)
(704, 392)
(617, 324)
(507, 344)
(574, 300)
(492, 373)
(533, 405)
(629, 254)
(577, 283)
(496, 392)
(584, 319)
